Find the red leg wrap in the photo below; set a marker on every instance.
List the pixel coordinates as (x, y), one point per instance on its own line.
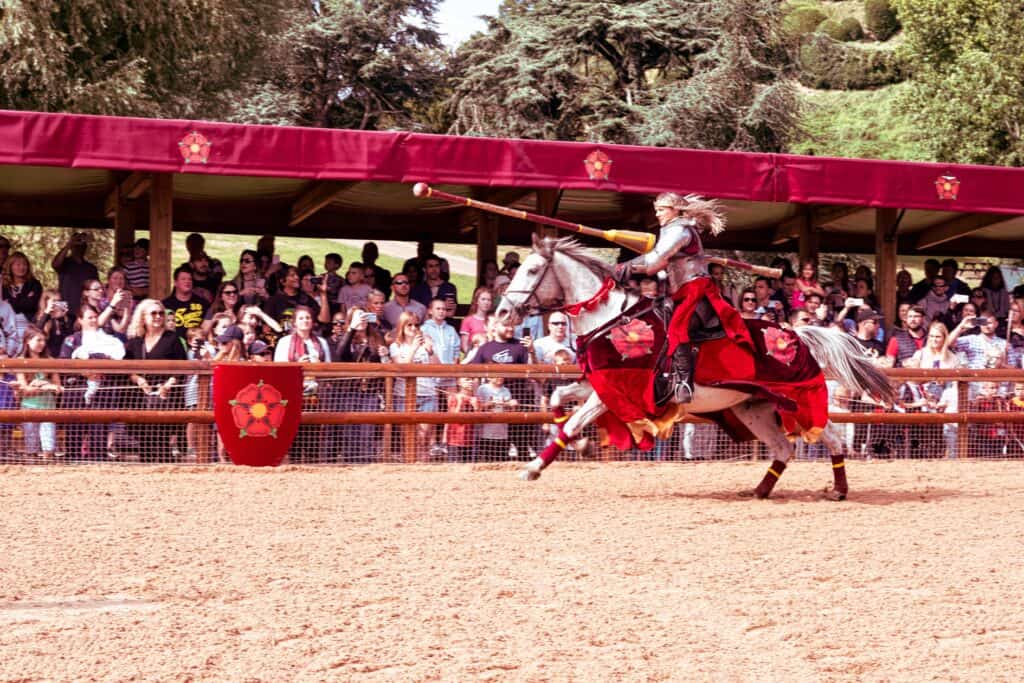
(553, 449)
(764, 489)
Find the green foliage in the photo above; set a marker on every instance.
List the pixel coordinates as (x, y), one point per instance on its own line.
(968, 85)
(177, 58)
(851, 29)
(637, 71)
(40, 245)
(799, 20)
(881, 19)
(866, 124)
(826, 63)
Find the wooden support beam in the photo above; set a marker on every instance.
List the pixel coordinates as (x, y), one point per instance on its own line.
(808, 244)
(124, 226)
(886, 225)
(130, 188)
(958, 227)
(819, 216)
(314, 198)
(547, 205)
(486, 242)
(161, 220)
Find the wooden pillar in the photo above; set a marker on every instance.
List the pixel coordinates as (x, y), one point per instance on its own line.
(486, 242)
(808, 240)
(547, 205)
(161, 217)
(124, 223)
(885, 261)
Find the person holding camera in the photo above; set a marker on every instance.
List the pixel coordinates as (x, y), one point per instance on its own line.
(282, 306)
(53, 319)
(73, 269)
(21, 289)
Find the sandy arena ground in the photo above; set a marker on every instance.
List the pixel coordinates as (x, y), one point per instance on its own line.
(597, 572)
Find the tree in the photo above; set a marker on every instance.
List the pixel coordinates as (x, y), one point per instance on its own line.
(168, 58)
(967, 83)
(366, 64)
(607, 71)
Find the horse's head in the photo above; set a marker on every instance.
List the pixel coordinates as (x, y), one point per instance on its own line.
(535, 287)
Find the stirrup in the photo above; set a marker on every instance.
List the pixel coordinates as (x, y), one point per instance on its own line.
(682, 392)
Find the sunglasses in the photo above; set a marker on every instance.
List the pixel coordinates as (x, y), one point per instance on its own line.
(556, 322)
(247, 260)
(400, 282)
(749, 298)
(231, 292)
(157, 314)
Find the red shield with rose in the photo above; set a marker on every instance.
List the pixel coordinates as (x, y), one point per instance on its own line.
(257, 407)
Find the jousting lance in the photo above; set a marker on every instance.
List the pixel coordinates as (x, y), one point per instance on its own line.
(640, 242)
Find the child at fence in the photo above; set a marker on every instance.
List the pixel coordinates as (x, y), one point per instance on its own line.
(1015, 430)
(38, 391)
(461, 438)
(495, 398)
(987, 439)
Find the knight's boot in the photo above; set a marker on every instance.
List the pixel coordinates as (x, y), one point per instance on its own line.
(682, 373)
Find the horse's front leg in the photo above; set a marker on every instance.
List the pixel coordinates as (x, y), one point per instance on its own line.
(572, 427)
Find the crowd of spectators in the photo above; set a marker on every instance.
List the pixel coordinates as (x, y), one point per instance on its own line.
(271, 310)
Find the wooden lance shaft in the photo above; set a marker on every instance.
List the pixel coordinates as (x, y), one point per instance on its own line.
(640, 242)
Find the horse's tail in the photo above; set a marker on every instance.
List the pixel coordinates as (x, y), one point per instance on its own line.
(843, 359)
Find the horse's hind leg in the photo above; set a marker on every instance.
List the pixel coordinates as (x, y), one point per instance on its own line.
(573, 426)
(837, 451)
(759, 418)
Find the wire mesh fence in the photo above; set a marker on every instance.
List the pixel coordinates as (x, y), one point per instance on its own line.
(99, 411)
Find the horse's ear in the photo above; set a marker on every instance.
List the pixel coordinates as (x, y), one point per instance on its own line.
(538, 242)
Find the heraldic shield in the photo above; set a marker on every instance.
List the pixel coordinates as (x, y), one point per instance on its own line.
(257, 407)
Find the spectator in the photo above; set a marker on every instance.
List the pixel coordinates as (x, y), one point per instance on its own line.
(359, 343)
(447, 349)
(137, 269)
(862, 289)
(921, 288)
(204, 281)
(839, 287)
(116, 303)
(282, 306)
(230, 344)
(1015, 443)
(1015, 337)
(936, 302)
(984, 350)
(988, 440)
(505, 349)
(433, 285)
(73, 269)
(763, 291)
(748, 304)
(942, 395)
(149, 339)
(489, 272)
(509, 264)
(949, 270)
(38, 391)
(903, 284)
(814, 305)
(717, 273)
(994, 287)
(186, 308)
(355, 291)
(401, 303)
(91, 391)
(195, 244)
(461, 438)
(806, 284)
(332, 263)
(799, 317)
(558, 338)
(495, 397)
(252, 286)
(381, 276)
(306, 264)
(54, 320)
(303, 345)
(10, 342)
(412, 346)
(21, 290)
(417, 264)
(316, 289)
(906, 342)
(227, 301)
(867, 333)
(785, 294)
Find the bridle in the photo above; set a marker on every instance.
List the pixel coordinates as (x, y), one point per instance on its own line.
(531, 301)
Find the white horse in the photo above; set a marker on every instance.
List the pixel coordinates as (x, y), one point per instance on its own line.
(560, 271)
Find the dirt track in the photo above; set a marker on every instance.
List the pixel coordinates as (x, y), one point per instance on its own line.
(594, 573)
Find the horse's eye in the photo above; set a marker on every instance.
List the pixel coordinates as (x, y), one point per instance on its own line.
(532, 271)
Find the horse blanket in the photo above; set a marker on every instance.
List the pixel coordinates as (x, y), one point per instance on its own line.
(619, 361)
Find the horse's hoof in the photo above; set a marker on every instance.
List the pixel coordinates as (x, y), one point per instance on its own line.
(529, 475)
(835, 495)
(747, 493)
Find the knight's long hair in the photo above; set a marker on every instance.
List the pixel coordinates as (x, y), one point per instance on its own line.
(707, 212)
(843, 359)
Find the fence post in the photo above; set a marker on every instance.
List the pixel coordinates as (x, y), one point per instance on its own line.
(389, 406)
(962, 436)
(409, 431)
(203, 431)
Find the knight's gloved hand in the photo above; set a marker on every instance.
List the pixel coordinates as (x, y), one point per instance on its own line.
(623, 273)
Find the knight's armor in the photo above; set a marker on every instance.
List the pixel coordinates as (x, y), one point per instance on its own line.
(680, 254)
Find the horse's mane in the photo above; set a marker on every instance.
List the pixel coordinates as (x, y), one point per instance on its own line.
(572, 248)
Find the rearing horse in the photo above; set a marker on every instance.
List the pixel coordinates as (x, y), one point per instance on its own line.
(561, 275)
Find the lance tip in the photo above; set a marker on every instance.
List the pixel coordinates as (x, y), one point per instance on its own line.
(421, 190)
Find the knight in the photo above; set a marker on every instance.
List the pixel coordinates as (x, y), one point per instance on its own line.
(700, 313)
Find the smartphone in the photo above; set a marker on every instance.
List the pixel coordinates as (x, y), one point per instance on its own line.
(62, 305)
(853, 301)
(371, 317)
(981, 321)
(316, 281)
(959, 298)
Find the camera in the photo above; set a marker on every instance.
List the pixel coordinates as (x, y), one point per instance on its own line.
(981, 321)
(61, 305)
(316, 280)
(371, 317)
